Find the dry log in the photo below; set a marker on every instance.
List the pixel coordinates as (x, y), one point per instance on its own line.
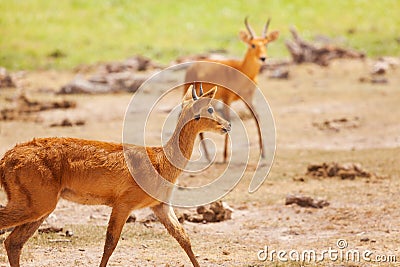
(333, 169)
(303, 51)
(113, 77)
(25, 107)
(306, 202)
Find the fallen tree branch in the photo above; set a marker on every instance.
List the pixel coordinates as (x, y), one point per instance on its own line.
(303, 51)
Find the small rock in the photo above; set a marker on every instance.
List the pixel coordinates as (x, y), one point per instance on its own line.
(209, 216)
(147, 225)
(243, 207)
(393, 62)
(332, 170)
(217, 207)
(338, 124)
(131, 219)
(298, 179)
(363, 79)
(280, 74)
(380, 67)
(180, 216)
(304, 201)
(94, 217)
(50, 229)
(67, 123)
(3, 231)
(196, 218)
(379, 80)
(346, 174)
(228, 211)
(80, 122)
(201, 209)
(59, 240)
(69, 233)
(150, 218)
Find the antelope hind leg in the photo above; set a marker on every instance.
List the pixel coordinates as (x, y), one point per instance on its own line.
(18, 237)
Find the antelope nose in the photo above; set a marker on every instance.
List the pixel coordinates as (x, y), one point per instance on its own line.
(262, 59)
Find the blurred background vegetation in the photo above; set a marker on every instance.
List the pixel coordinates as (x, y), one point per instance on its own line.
(43, 34)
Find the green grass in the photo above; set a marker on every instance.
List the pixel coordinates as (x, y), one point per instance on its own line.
(89, 31)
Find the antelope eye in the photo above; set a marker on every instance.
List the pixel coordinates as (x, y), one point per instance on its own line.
(253, 45)
(210, 110)
(197, 117)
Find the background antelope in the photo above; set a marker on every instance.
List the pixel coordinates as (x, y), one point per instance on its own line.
(250, 66)
(36, 174)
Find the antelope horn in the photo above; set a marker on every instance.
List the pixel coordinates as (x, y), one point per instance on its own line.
(201, 89)
(264, 34)
(249, 29)
(194, 95)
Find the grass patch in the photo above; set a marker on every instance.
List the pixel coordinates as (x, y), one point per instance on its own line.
(94, 236)
(62, 34)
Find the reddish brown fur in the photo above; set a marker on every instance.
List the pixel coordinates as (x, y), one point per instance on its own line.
(36, 174)
(250, 66)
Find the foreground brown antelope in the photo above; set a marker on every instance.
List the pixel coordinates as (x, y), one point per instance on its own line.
(250, 66)
(35, 175)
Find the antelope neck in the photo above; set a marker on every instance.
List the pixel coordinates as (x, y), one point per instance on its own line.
(179, 149)
(250, 66)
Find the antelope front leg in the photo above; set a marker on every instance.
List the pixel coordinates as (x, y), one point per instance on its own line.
(167, 217)
(118, 217)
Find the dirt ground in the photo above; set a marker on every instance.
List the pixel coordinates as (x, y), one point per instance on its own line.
(330, 114)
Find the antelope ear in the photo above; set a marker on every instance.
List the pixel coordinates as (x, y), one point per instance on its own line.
(188, 94)
(272, 36)
(211, 93)
(244, 36)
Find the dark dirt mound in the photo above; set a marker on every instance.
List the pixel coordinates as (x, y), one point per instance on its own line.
(68, 123)
(25, 107)
(112, 77)
(306, 202)
(338, 124)
(214, 212)
(333, 169)
(136, 63)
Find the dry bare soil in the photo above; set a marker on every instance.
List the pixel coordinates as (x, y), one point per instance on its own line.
(321, 115)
